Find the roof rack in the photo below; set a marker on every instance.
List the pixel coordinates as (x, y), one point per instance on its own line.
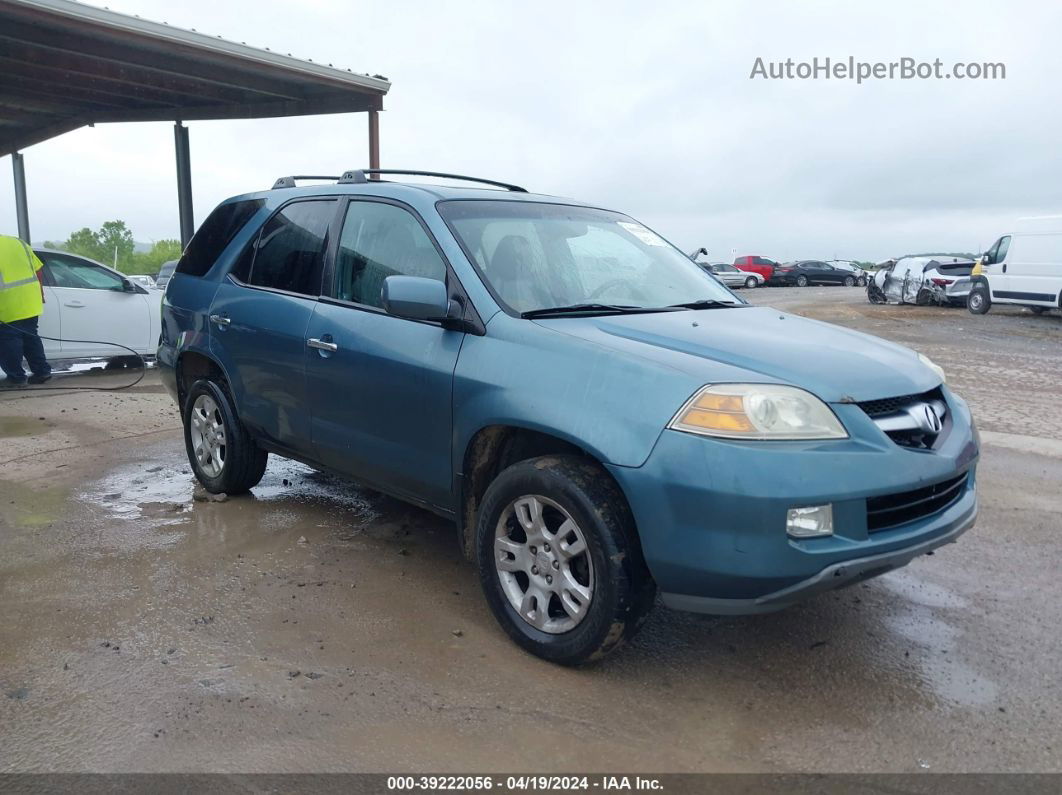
(289, 182)
(357, 176)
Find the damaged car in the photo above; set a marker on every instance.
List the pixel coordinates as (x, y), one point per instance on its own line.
(601, 420)
(941, 280)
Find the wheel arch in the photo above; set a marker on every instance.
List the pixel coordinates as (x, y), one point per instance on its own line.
(493, 448)
(191, 365)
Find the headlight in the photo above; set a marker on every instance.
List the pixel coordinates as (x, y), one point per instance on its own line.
(936, 368)
(758, 411)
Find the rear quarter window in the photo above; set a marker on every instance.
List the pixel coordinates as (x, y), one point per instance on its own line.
(216, 232)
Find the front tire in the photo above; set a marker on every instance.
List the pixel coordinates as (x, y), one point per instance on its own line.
(223, 455)
(750, 282)
(979, 301)
(559, 560)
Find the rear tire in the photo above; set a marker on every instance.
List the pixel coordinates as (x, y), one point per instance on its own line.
(862, 281)
(801, 281)
(978, 301)
(223, 455)
(751, 282)
(563, 606)
(1039, 310)
(849, 281)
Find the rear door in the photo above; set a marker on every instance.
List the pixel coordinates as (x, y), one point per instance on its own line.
(380, 387)
(96, 314)
(50, 327)
(259, 316)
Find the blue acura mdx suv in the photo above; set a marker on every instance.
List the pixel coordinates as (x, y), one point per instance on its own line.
(601, 419)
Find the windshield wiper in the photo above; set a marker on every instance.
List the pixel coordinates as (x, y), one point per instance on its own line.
(589, 308)
(705, 303)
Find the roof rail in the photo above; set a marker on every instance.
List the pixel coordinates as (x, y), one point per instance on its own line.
(358, 176)
(289, 182)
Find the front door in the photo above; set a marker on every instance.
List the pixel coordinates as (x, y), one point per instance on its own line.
(992, 265)
(259, 316)
(94, 309)
(380, 387)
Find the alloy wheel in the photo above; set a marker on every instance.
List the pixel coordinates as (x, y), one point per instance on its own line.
(208, 436)
(543, 564)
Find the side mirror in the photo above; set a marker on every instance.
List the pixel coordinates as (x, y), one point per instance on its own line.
(417, 298)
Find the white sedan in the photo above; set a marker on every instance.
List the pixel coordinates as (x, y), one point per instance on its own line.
(88, 305)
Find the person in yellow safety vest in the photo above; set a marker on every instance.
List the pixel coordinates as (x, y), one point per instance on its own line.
(21, 305)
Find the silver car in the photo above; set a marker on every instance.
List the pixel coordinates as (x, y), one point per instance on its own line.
(731, 276)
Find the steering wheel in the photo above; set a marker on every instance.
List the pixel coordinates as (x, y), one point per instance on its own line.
(606, 286)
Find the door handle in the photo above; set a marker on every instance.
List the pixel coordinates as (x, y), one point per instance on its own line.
(221, 320)
(1004, 268)
(322, 345)
(74, 304)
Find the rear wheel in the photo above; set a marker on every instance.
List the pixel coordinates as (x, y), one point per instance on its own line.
(849, 281)
(979, 301)
(802, 280)
(750, 282)
(862, 281)
(222, 453)
(1039, 310)
(559, 560)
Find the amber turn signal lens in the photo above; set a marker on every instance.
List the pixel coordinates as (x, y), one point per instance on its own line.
(718, 420)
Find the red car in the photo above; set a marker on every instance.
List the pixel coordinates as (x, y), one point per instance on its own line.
(756, 264)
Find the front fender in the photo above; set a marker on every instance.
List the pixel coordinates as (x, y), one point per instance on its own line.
(523, 375)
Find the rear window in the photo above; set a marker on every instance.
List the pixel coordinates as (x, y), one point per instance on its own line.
(960, 269)
(216, 232)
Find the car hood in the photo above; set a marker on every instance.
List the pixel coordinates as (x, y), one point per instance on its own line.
(760, 344)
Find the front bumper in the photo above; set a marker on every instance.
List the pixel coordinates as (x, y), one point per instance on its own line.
(838, 575)
(711, 513)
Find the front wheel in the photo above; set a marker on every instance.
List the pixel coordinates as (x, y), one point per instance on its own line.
(862, 281)
(223, 455)
(1039, 310)
(801, 281)
(978, 303)
(559, 560)
(750, 282)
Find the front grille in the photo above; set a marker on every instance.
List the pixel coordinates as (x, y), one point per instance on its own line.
(892, 510)
(877, 408)
(897, 417)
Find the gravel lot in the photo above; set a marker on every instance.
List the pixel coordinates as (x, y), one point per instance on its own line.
(315, 626)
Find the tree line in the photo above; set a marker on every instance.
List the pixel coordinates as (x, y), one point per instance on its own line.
(112, 244)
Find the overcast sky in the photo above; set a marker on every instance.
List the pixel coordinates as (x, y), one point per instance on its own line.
(644, 108)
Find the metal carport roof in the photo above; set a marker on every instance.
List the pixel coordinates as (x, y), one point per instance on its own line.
(64, 65)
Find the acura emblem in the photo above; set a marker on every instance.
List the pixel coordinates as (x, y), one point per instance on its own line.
(932, 422)
(925, 418)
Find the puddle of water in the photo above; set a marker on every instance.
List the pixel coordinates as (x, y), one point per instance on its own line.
(913, 588)
(163, 492)
(938, 658)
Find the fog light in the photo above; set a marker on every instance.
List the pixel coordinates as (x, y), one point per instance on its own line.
(810, 522)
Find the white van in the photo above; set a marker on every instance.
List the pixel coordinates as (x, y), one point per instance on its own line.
(1023, 268)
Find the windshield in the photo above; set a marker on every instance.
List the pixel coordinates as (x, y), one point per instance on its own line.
(538, 256)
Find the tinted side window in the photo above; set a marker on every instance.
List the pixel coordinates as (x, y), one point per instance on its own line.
(381, 240)
(290, 250)
(215, 233)
(72, 272)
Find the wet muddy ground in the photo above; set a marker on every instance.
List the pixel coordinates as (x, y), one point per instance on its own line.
(314, 626)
